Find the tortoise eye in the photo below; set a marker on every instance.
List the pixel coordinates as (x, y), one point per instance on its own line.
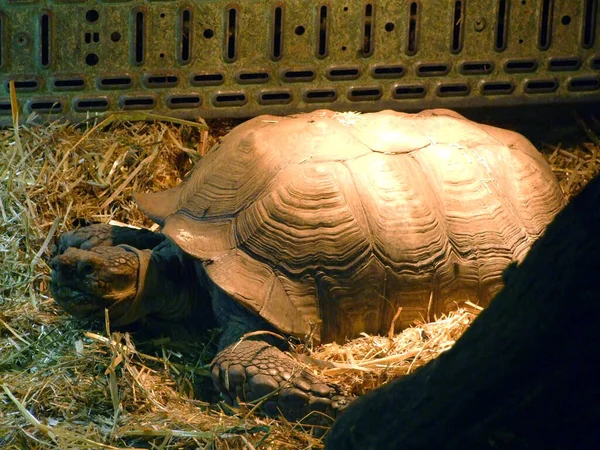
(85, 268)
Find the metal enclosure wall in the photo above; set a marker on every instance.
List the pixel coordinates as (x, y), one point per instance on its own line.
(215, 58)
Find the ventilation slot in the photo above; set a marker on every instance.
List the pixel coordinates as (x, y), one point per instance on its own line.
(184, 101)
(476, 68)
(595, 64)
(584, 84)
(322, 28)
(350, 73)
(432, 70)
(253, 77)
(501, 26)
(367, 49)
(91, 104)
(387, 72)
(92, 15)
(46, 106)
(92, 37)
(232, 99)
(457, 27)
(320, 96)
(520, 66)
(412, 41)
(497, 88)
(231, 35)
(115, 83)
(275, 98)
(589, 23)
(364, 94)
(138, 103)
(138, 37)
(564, 64)
(453, 90)
(277, 34)
(207, 79)
(541, 86)
(298, 75)
(45, 40)
(409, 91)
(5, 108)
(69, 84)
(25, 85)
(185, 36)
(161, 81)
(91, 59)
(546, 24)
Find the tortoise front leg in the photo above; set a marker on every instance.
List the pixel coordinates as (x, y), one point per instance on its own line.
(104, 235)
(254, 370)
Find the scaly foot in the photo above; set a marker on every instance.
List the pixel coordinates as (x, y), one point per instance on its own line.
(252, 370)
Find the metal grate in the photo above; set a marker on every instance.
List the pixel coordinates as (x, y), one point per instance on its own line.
(236, 59)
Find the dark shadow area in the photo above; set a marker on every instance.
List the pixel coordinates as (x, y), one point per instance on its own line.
(541, 123)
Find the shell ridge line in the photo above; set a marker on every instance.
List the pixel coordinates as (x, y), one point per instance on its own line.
(276, 265)
(233, 215)
(355, 134)
(273, 279)
(307, 270)
(360, 202)
(502, 196)
(202, 218)
(452, 248)
(441, 206)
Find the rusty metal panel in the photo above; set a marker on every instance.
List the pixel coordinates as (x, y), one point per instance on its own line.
(215, 58)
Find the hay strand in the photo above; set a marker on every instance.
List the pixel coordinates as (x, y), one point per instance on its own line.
(67, 387)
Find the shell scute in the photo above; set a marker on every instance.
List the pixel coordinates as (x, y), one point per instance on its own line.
(335, 221)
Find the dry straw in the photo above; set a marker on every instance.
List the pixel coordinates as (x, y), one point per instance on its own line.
(66, 385)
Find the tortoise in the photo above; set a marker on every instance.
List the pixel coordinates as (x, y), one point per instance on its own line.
(318, 225)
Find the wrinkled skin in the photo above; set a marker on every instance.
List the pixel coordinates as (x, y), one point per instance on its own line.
(85, 282)
(96, 235)
(258, 369)
(99, 268)
(102, 235)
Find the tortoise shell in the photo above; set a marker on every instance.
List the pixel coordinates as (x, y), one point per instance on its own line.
(332, 221)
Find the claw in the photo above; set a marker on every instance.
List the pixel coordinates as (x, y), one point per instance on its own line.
(253, 370)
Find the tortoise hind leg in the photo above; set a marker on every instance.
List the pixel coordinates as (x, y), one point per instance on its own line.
(104, 235)
(255, 371)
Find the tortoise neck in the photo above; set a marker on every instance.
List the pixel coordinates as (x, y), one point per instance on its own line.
(170, 287)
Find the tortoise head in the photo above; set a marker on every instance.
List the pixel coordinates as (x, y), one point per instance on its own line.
(85, 282)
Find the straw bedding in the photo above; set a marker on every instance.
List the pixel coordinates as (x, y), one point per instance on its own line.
(67, 384)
